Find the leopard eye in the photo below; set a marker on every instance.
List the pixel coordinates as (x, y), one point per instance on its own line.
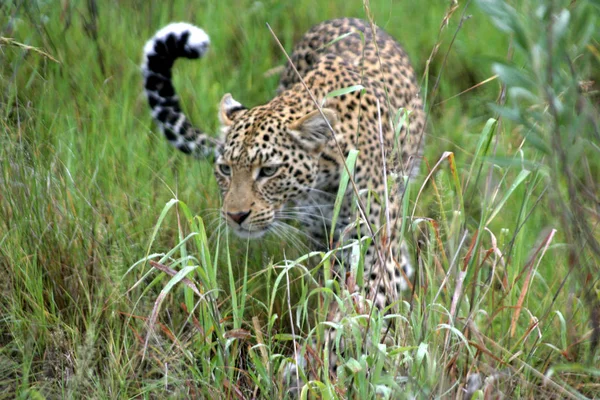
(267, 171)
(224, 169)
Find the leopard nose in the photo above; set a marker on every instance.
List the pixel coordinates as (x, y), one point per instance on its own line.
(238, 217)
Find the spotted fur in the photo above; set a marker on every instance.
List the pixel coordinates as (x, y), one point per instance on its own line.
(282, 154)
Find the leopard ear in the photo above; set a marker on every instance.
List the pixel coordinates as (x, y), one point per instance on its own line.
(312, 131)
(227, 109)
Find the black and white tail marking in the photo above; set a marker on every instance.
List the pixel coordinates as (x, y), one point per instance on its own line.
(168, 44)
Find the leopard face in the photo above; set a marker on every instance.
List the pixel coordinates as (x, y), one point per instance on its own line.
(270, 158)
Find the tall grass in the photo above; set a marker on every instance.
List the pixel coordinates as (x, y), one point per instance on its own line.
(120, 282)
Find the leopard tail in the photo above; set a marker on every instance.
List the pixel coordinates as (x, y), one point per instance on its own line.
(176, 40)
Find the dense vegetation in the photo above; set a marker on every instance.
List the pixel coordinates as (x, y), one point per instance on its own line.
(502, 223)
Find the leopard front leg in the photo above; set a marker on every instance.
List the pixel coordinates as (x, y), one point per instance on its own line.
(382, 285)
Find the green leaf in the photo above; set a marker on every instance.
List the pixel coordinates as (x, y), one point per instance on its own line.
(178, 277)
(520, 178)
(485, 138)
(422, 352)
(563, 329)
(500, 161)
(353, 366)
(342, 91)
(583, 27)
(519, 93)
(561, 23)
(350, 162)
(575, 150)
(497, 12)
(458, 334)
(337, 39)
(283, 337)
(477, 395)
(576, 368)
(537, 141)
(506, 19)
(161, 218)
(400, 350)
(510, 113)
(513, 77)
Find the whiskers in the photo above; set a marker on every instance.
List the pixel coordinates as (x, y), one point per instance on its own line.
(211, 213)
(303, 226)
(216, 227)
(301, 216)
(309, 222)
(314, 192)
(293, 236)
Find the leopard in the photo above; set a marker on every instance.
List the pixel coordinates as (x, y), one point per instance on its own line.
(348, 87)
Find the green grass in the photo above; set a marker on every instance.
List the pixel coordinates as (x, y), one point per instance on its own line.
(502, 232)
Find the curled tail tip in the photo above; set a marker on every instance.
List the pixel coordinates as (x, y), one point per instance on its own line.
(196, 38)
(178, 39)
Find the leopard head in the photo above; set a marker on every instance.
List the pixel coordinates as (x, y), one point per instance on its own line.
(269, 158)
